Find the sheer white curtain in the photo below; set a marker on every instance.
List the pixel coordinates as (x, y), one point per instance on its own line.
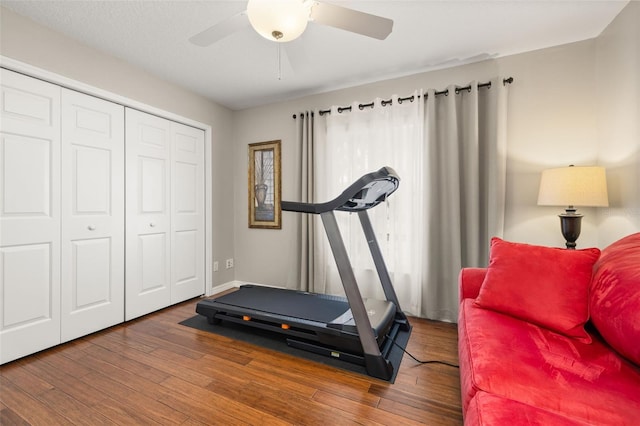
(355, 143)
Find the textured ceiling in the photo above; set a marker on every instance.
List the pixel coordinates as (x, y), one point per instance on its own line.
(243, 70)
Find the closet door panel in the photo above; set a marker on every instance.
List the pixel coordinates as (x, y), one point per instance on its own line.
(152, 254)
(28, 281)
(92, 278)
(148, 214)
(93, 214)
(188, 263)
(27, 176)
(29, 215)
(92, 170)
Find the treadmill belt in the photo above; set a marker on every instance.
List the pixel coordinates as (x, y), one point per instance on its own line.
(308, 306)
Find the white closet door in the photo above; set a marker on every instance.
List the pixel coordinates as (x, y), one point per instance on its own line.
(148, 213)
(29, 215)
(187, 213)
(92, 214)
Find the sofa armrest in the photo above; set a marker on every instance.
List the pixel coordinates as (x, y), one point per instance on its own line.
(469, 282)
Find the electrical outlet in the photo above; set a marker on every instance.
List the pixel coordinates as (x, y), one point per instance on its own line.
(229, 263)
(216, 266)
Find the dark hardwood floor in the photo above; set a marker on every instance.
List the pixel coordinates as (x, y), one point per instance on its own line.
(153, 370)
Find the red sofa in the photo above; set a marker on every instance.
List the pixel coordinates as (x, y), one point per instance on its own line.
(549, 336)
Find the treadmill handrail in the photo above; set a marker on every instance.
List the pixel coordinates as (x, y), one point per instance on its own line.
(356, 197)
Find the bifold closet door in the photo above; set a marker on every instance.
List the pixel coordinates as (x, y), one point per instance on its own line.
(92, 214)
(148, 213)
(187, 213)
(29, 215)
(164, 213)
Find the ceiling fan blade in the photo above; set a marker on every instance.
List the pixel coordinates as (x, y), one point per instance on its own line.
(221, 30)
(351, 20)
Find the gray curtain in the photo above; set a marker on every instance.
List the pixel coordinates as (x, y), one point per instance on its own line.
(465, 159)
(306, 231)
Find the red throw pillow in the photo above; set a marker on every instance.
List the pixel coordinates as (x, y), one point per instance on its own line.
(542, 285)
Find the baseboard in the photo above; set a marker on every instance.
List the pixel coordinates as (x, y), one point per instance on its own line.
(224, 287)
(235, 284)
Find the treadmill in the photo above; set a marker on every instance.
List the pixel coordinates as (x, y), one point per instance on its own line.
(350, 328)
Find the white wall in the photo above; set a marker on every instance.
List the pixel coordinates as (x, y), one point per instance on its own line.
(551, 123)
(31, 43)
(555, 119)
(618, 88)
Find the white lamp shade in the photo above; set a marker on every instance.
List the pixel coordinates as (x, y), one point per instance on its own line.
(278, 20)
(574, 186)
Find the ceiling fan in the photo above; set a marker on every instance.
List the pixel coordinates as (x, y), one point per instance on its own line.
(285, 20)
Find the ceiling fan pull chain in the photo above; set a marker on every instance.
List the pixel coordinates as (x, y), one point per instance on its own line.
(279, 63)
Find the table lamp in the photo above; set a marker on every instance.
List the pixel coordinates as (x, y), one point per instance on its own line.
(573, 186)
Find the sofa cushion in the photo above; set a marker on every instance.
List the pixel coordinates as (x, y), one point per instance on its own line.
(521, 361)
(615, 296)
(545, 285)
(488, 409)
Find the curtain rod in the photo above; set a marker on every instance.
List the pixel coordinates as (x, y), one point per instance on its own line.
(505, 81)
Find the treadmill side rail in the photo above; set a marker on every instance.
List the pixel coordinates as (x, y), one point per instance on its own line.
(381, 267)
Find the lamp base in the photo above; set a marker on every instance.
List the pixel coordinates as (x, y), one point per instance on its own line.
(570, 223)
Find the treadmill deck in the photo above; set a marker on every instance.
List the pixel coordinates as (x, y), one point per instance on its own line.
(287, 303)
(312, 316)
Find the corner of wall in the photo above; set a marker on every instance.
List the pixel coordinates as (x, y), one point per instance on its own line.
(618, 98)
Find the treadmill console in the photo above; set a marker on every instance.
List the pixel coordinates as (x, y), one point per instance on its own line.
(371, 195)
(365, 193)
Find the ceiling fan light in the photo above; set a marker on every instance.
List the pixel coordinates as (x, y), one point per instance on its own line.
(278, 20)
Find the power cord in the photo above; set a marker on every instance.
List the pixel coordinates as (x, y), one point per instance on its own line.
(425, 362)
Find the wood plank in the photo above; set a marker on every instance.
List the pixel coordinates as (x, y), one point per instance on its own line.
(223, 373)
(161, 342)
(27, 407)
(364, 411)
(431, 417)
(206, 402)
(61, 364)
(140, 407)
(416, 400)
(10, 417)
(172, 368)
(117, 340)
(133, 366)
(118, 373)
(72, 386)
(292, 408)
(72, 409)
(30, 383)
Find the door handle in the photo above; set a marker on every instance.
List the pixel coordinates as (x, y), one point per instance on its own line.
(91, 227)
